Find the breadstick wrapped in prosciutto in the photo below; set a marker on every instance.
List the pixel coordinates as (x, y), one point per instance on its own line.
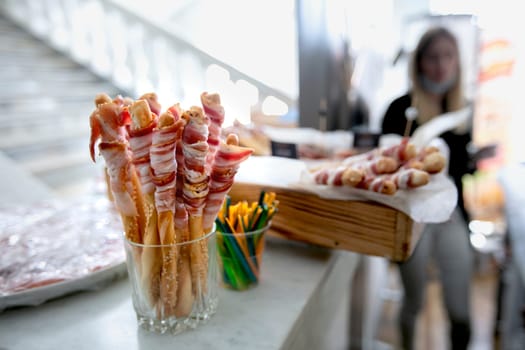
(185, 295)
(108, 123)
(429, 159)
(379, 184)
(164, 169)
(409, 178)
(433, 160)
(377, 164)
(402, 152)
(140, 140)
(226, 164)
(211, 104)
(338, 176)
(195, 188)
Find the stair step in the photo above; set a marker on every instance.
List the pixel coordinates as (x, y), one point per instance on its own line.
(46, 119)
(49, 75)
(46, 104)
(33, 143)
(61, 91)
(57, 161)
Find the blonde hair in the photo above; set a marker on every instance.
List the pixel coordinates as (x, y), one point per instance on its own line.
(421, 100)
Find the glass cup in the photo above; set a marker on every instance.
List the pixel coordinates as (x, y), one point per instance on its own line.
(174, 287)
(240, 258)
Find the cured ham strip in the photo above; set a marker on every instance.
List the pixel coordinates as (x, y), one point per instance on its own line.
(179, 157)
(227, 161)
(195, 189)
(211, 103)
(163, 161)
(108, 124)
(195, 150)
(118, 161)
(164, 168)
(140, 140)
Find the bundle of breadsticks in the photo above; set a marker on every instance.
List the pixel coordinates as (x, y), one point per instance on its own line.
(384, 170)
(169, 172)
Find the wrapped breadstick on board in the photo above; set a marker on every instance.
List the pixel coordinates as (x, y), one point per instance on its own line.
(381, 214)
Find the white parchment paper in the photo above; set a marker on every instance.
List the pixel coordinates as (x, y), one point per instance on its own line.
(431, 203)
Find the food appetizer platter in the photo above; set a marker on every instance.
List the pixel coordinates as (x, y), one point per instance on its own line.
(169, 171)
(374, 203)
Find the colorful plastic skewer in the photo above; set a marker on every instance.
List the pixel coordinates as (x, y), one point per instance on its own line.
(241, 227)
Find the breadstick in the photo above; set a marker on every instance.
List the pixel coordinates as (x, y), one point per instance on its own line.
(140, 139)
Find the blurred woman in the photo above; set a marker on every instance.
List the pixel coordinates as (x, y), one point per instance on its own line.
(436, 88)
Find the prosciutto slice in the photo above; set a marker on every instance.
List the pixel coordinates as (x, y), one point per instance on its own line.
(140, 140)
(195, 150)
(226, 164)
(108, 124)
(211, 103)
(163, 161)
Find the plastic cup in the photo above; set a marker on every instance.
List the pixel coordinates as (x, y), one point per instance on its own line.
(168, 293)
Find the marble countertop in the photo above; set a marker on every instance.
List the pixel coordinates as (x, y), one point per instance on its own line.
(269, 316)
(293, 306)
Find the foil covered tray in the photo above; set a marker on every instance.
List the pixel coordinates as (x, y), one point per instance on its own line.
(54, 248)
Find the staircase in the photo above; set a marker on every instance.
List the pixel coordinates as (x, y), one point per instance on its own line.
(45, 102)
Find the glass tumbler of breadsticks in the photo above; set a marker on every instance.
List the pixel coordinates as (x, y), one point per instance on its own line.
(241, 230)
(171, 293)
(168, 172)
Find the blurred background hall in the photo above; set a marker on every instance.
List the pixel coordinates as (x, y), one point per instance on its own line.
(57, 54)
